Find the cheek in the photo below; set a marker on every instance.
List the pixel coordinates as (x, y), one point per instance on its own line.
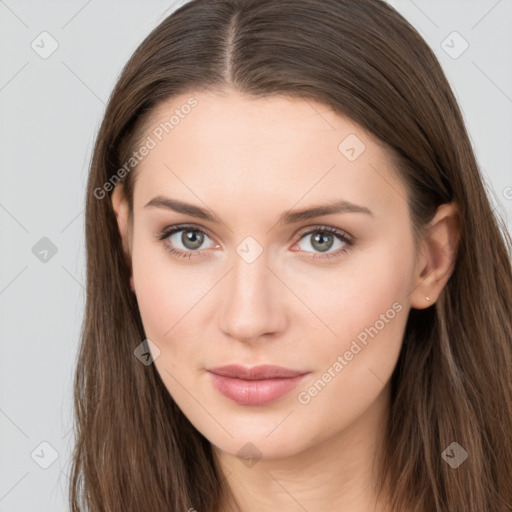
(171, 297)
(161, 288)
(366, 305)
(368, 288)
(155, 297)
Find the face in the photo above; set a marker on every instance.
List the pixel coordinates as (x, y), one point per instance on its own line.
(251, 281)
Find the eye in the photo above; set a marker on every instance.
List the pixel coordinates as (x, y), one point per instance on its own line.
(184, 241)
(324, 238)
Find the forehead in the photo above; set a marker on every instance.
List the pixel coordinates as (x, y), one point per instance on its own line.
(240, 149)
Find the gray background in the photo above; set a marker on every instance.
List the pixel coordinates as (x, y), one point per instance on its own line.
(50, 110)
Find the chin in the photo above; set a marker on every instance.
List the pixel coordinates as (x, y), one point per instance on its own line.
(269, 437)
(251, 449)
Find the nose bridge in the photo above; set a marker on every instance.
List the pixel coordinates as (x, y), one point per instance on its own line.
(249, 305)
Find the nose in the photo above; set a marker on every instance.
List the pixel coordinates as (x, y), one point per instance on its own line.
(251, 301)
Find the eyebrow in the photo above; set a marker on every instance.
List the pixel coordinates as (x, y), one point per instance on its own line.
(289, 217)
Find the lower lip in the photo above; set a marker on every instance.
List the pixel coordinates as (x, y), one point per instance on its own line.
(254, 392)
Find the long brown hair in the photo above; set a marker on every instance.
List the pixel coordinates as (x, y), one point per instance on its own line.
(135, 450)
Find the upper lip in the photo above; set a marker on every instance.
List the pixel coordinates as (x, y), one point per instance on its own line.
(260, 372)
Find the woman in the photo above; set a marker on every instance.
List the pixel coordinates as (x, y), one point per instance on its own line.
(298, 295)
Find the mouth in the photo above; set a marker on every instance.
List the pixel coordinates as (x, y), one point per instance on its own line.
(258, 385)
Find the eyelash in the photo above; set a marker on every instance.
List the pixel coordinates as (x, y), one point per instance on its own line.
(341, 235)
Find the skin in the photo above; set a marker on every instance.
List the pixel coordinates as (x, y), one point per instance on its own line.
(249, 160)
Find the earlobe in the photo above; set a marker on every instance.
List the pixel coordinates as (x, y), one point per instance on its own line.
(437, 257)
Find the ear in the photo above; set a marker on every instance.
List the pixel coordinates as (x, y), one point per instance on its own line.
(437, 256)
(122, 211)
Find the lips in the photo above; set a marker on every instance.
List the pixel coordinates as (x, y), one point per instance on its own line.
(257, 385)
